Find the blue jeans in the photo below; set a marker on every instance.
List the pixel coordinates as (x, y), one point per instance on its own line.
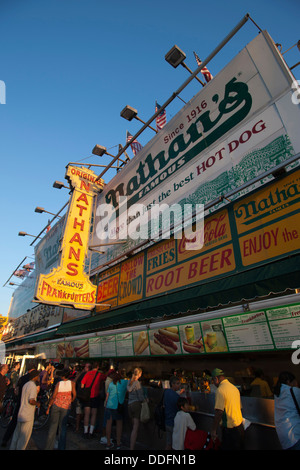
(58, 421)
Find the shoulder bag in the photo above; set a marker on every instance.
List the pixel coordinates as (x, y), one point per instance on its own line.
(295, 401)
(84, 394)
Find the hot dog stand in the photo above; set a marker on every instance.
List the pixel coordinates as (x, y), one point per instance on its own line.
(231, 301)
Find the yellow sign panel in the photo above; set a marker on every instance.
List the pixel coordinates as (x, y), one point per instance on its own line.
(214, 263)
(68, 284)
(271, 241)
(108, 288)
(277, 200)
(3, 322)
(131, 279)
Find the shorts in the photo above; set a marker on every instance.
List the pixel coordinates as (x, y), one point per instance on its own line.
(92, 403)
(134, 409)
(112, 413)
(169, 433)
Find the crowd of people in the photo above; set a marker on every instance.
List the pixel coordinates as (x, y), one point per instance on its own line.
(82, 389)
(90, 387)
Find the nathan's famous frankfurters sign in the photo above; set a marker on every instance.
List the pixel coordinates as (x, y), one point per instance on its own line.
(266, 225)
(68, 284)
(239, 125)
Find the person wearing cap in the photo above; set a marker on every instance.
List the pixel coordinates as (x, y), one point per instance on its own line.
(26, 413)
(228, 410)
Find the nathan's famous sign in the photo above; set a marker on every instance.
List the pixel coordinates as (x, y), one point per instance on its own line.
(68, 284)
(241, 124)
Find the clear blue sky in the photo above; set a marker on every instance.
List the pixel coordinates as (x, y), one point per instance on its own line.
(70, 66)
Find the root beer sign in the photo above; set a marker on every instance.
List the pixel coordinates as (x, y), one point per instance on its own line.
(68, 284)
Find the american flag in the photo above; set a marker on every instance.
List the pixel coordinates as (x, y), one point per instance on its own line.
(161, 118)
(21, 273)
(48, 227)
(29, 266)
(135, 145)
(205, 72)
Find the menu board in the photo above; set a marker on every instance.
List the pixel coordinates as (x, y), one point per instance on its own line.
(285, 325)
(262, 330)
(248, 332)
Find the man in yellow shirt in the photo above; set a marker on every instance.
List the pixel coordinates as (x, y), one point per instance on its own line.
(227, 409)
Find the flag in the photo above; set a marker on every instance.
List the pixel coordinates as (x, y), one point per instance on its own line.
(135, 145)
(29, 266)
(205, 72)
(21, 273)
(161, 118)
(48, 227)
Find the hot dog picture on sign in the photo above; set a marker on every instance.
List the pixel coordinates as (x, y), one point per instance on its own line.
(164, 341)
(191, 338)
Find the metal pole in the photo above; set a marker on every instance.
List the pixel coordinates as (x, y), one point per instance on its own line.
(174, 95)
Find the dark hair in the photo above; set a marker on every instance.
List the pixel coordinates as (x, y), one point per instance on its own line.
(64, 373)
(181, 402)
(283, 378)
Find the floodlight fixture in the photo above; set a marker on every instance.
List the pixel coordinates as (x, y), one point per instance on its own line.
(59, 185)
(100, 150)
(176, 57)
(23, 234)
(130, 113)
(40, 210)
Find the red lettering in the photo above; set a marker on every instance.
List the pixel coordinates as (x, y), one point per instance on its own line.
(83, 197)
(73, 269)
(81, 209)
(72, 252)
(81, 224)
(76, 238)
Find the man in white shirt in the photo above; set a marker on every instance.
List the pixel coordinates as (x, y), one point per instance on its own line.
(26, 413)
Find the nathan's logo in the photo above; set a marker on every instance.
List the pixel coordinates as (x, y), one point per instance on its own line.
(206, 130)
(68, 283)
(277, 200)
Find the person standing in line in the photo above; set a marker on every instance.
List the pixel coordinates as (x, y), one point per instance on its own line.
(18, 390)
(63, 396)
(182, 422)
(135, 399)
(115, 395)
(287, 411)
(14, 375)
(227, 409)
(4, 382)
(79, 405)
(26, 413)
(91, 407)
(171, 396)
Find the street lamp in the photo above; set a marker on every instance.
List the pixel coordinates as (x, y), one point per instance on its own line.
(23, 234)
(40, 210)
(130, 113)
(99, 150)
(59, 185)
(176, 57)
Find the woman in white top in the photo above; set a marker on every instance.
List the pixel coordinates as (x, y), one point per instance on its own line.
(63, 396)
(287, 411)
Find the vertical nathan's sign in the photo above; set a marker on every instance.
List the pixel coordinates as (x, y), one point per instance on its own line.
(68, 284)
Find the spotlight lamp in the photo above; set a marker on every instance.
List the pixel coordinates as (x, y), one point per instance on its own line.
(175, 56)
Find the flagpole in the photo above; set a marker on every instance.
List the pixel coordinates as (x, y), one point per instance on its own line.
(176, 93)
